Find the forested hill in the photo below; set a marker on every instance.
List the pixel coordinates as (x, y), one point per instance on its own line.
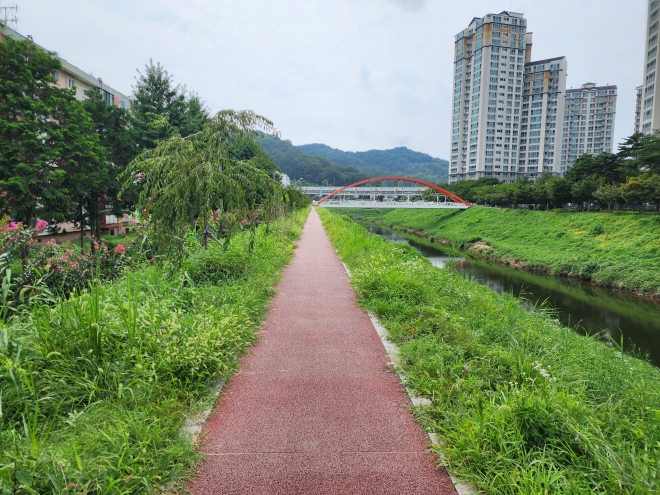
(313, 168)
(397, 161)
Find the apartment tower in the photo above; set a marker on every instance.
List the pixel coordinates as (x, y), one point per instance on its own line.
(638, 109)
(589, 114)
(489, 61)
(542, 116)
(650, 111)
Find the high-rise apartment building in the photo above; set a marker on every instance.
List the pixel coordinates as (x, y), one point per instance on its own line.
(589, 114)
(651, 90)
(489, 61)
(638, 109)
(542, 116)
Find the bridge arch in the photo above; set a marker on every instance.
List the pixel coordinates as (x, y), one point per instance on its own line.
(450, 195)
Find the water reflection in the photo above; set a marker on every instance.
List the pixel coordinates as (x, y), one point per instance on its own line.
(592, 309)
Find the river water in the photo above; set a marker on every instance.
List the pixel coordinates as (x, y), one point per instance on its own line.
(594, 310)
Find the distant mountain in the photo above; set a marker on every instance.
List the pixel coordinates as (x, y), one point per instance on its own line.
(313, 168)
(397, 161)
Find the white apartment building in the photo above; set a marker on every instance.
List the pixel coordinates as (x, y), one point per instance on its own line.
(650, 112)
(542, 116)
(489, 61)
(589, 114)
(638, 109)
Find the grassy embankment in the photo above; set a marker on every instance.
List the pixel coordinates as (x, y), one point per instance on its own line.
(618, 250)
(94, 389)
(523, 405)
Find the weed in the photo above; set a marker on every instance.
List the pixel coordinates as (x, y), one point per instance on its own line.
(523, 405)
(94, 387)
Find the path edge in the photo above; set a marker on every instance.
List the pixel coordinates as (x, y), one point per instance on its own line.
(394, 354)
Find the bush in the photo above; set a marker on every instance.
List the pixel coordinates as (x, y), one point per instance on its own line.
(216, 264)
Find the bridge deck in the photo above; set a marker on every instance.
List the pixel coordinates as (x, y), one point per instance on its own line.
(315, 409)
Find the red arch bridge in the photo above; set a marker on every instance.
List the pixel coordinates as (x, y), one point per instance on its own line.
(386, 192)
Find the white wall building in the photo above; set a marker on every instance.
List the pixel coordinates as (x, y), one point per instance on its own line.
(589, 114)
(542, 117)
(489, 60)
(638, 109)
(650, 112)
(70, 76)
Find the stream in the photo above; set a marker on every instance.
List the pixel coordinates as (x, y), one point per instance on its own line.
(613, 314)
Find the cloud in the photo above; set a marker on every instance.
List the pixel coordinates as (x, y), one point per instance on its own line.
(411, 5)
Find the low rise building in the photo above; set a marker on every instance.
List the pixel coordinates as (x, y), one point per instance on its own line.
(70, 76)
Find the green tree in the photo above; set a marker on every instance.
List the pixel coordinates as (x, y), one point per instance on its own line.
(81, 167)
(638, 190)
(47, 141)
(195, 115)
(186, 179)
(643, 153)
(607, 166)
(116, 134)
(155, 96)
(608, 194)
(559, 190)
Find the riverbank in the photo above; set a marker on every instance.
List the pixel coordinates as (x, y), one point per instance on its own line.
(522, 404)
(615, 250)
(95, 388)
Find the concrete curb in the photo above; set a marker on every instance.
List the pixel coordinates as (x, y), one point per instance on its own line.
(193, 424)
(394, 354)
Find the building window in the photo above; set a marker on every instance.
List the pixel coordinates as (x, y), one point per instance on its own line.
(71, 83)
(56, 75)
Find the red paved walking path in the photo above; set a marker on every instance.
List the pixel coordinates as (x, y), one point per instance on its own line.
(315, 409)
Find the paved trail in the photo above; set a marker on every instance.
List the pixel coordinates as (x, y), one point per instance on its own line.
(315, 409)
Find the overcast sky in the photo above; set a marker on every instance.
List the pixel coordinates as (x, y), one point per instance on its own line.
(353, 74)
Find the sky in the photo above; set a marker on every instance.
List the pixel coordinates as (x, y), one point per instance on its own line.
(352, 74)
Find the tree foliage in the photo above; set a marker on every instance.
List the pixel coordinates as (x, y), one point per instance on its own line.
(399, 161)
(629, 179)
(49, 152)
(155, 96)
(186, 179)
(314, 169)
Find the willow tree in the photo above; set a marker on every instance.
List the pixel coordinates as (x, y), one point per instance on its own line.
(185, 181)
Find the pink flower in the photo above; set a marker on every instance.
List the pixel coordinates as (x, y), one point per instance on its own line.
(74, 266)
(64, 259)
(13, 226)
(58, 267)
(41, 225)
(466, 367)
(120, 249)
(68, 252)
(96, 245)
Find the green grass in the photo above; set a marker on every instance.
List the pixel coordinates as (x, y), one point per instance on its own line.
(523, 405)
(618, 250)
(94, 389)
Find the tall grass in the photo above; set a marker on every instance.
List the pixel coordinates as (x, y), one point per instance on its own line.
(619, 250)
(523, 405)
(94, 388)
